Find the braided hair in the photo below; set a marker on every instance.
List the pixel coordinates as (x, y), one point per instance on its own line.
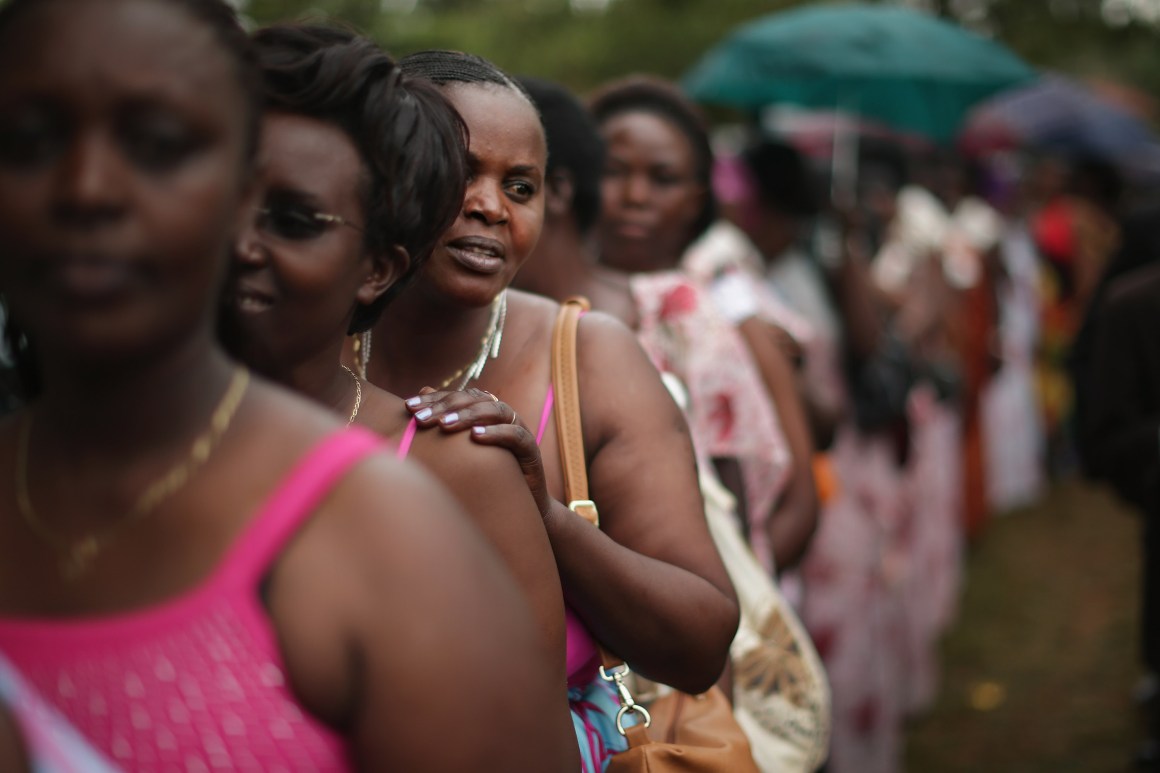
(443, 68)
(411, 141)
(649, 94)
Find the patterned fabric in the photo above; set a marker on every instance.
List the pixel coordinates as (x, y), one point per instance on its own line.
(730, 414)
(594, 707)
(52, 746)
(196, 683)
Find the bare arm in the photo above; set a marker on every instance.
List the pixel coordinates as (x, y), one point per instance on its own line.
(488, 484)
(795, 515)
(649, 583)
(417, 641)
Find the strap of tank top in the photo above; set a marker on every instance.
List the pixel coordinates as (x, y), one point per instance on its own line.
(545, 414)
(297, 497)
(408, 438)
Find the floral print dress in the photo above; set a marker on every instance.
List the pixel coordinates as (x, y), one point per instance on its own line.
(730, 414)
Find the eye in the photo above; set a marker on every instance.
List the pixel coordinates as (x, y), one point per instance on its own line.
(292, 222)
(29, 138)
(158, 143)
(521, 190)
(665, 178)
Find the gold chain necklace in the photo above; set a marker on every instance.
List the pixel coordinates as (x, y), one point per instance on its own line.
(76, 556)
(357, 396)
(488, 347)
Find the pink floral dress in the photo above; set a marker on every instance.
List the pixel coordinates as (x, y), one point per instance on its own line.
(730, 413)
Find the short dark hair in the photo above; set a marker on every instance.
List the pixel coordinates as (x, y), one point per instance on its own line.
(574, 145)
(411, 141)
(784, 179)
(650, 94)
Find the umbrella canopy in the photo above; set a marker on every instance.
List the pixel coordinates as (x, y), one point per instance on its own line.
(903, 67)
(1060, 114)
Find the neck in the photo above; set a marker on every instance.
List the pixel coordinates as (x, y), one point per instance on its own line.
(424, 338)
(110, 408)
(562, 265)
(320, 378)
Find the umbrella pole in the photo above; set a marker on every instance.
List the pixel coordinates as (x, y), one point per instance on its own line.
(844, 163)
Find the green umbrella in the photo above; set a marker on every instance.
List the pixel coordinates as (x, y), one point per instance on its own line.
(903, 67)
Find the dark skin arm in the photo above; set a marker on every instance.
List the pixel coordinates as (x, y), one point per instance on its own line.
(487, 483)
(398, 622)
(795, 516)
(649, 583)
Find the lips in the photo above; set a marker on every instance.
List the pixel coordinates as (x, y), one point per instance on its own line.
(250, 300)
(632, 230)
(89, 277)
(478, 253)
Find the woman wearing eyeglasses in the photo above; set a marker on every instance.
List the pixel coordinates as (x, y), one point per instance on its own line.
(361, 170)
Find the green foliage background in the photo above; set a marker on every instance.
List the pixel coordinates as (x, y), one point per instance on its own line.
(582, 48)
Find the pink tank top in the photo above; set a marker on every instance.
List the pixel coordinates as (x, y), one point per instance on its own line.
(196, 683)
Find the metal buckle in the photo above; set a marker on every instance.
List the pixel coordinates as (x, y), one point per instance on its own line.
(627, 704)
(589, 513)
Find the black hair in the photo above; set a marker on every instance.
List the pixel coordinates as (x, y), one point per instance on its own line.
(444, 68)
(410, 139)
(222, 19)
(784, 179)
(654, 95)
(574, 145)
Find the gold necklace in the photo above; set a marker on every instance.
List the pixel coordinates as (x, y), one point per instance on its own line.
(76, 556)
(357, 396)
(488, 347)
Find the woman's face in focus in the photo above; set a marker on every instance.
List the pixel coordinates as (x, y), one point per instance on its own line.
(503, 208)
(300, 268)
(651, 195)
(123, 171)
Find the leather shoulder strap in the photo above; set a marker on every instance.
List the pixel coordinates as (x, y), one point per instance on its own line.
(569, 427)
(570, 436)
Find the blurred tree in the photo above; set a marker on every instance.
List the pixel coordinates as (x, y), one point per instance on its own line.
(585, 42)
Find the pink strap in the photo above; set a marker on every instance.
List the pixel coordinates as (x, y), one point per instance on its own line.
(545, 414)
(408, 437)
(296, 498)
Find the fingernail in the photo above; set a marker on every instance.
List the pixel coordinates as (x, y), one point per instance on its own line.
(479, 430)
(423, 415)
(450, 418)
(413, 401)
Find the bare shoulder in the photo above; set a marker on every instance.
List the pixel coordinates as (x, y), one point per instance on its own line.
(462, 464)
(619, 386)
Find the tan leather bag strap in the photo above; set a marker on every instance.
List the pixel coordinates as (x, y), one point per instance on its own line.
(569, 428)
(570, 437)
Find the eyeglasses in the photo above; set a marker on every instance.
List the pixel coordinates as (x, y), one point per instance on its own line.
(298, 223)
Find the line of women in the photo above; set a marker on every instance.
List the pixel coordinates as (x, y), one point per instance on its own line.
(255, 286)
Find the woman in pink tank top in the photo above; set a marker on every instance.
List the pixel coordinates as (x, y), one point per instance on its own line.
(302, 281)
(199, 570)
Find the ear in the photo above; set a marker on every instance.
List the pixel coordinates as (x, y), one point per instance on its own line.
(559, 193)
(386, 268)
